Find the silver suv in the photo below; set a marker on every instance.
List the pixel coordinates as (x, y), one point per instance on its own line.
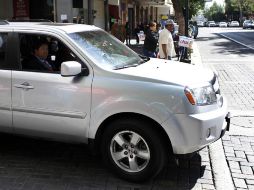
(132, 110)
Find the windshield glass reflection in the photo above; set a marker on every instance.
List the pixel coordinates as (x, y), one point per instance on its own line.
(106, 50)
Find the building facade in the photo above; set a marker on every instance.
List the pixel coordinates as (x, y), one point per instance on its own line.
(102, 13)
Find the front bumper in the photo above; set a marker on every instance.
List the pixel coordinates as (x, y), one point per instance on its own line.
(227, 119)
(190, 133)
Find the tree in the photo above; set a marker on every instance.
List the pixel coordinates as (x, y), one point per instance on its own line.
(194, 7)
(178, 7)
(237, 9)
(215, 12)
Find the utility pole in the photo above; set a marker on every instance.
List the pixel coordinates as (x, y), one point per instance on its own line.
(185, 52)
(106, 15)
(90, 15)
(241, 11)
(54, 11)
(186, 17)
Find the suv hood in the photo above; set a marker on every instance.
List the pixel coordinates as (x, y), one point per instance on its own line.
(170, 71)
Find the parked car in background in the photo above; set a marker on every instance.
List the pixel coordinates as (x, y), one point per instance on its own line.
(248, 24)
(211, 24)
(223, 24)
(200, 23)
(234, 24)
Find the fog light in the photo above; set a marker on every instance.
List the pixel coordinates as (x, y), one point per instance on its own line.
(208, 133)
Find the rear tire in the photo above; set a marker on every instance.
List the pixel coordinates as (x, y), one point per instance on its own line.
(133, 150)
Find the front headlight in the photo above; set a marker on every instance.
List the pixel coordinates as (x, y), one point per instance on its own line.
(201, 96)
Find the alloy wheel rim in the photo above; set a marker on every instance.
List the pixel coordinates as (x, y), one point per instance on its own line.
(130, 151)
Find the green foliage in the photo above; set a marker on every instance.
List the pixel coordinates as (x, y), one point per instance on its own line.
(215, 12)
(233, 7)
(195, 6)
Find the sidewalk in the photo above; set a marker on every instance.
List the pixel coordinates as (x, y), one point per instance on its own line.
(220, 169)
(232, 157)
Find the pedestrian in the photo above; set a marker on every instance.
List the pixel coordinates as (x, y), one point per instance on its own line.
(159, 28)
(128, 33)
(151, 41)
(166, 43)
(136, 31)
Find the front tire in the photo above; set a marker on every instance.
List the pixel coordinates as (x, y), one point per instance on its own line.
(133, 150)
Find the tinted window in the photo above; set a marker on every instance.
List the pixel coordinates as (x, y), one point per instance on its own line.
(43, 53)
(3, 40)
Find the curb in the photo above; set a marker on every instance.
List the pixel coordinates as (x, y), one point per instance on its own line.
(196, 57)
(220, 170)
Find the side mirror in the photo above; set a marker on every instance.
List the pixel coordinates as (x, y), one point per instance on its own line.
(70, 68)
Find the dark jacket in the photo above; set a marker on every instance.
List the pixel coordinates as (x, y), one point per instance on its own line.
(34, 64)
(151, 40)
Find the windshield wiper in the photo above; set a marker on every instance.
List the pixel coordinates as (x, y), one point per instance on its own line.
(127, 66)
(144, 58)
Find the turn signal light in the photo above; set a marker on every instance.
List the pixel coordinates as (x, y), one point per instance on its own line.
(189, 95)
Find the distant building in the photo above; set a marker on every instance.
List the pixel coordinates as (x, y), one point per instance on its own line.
(97, 12)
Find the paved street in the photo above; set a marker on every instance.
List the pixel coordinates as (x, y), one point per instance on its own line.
(29, 164)
(234, 63)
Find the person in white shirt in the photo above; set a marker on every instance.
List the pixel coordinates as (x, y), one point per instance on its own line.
(166, 43)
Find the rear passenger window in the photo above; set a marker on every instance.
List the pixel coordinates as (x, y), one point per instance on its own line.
(3, 40)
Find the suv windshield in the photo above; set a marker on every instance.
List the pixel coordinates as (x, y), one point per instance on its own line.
(106, 50)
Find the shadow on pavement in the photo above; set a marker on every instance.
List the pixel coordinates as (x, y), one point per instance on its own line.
(27, 164)
(227, 47)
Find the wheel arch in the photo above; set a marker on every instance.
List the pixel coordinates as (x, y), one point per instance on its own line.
(156, 126)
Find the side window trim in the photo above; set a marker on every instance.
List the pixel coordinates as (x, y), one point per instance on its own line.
(11, 52)
(3, 51)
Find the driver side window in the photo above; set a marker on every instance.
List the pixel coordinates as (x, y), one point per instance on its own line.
(42, 53)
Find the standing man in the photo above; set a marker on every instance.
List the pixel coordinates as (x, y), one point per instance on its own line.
(166, 43)
(151, 41)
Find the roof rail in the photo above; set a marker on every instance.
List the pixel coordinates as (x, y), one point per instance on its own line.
(29, 20)
(3, 22)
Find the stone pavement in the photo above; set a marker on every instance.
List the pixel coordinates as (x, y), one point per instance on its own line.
(237, 84)
(232, 158)
(29, 164)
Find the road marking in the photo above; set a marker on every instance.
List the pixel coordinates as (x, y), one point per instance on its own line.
(236, 41)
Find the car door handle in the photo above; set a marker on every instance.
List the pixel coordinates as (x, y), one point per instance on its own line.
(25, 86)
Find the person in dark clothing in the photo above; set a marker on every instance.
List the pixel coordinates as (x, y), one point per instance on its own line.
(136, 31)
(128, 33)
(151, 41)
(38, 59)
